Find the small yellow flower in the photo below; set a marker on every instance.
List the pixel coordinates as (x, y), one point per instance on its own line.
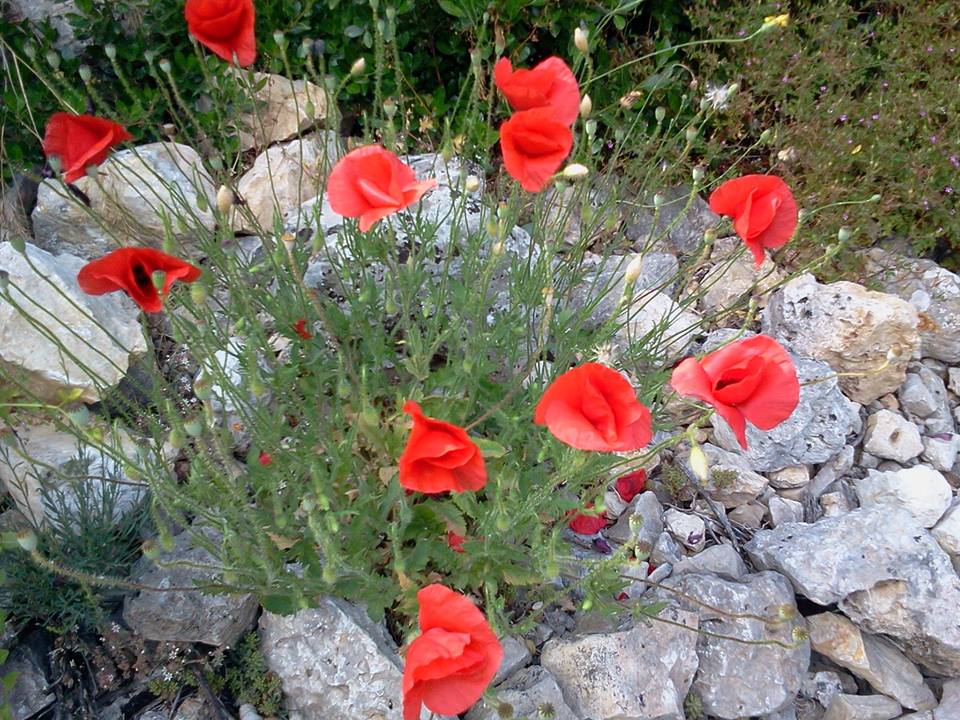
(776, 20)
(857, 149)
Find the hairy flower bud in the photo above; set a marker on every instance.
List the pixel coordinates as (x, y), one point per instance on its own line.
(843, 234)
(586, 106)
(359, 65)
(575, 171)
(660, 113)
(27, 539)
(581, 40)
(698, 463)
(634, 269)
(472, 184)
(225, 199)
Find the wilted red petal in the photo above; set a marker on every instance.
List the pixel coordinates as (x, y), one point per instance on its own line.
(80, 141)
(300, 328)
(534, 146)
(225, 27)
(455, 541)
(550, 84)
(131, 270)
(587, 524)
(265, 458)
(630, 485)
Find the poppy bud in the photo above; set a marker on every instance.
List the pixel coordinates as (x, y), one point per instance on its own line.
(698, 175)
(176, 438)
(84, 72)
(660, 113)
(581, 40)
(165, 65)
(225, 199)
(874, 198)
(766, 135)
(634, 269)
(586, 107)
(575, 171)
(692, 133)
(497, 249)
(359, 65)
(586, 604)
(288, 240)
(193, 428)
(389, 108)
(658, 200)
(698, 463)
(18, 244)
(80, 417)
(30, 50)
(843, 234)
(150, 549)
(591, 127)
(279, 38)
(53, 59)
(198, 293)
(27, 539)
(472, 183)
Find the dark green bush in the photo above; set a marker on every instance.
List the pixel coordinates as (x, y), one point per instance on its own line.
(862, 99)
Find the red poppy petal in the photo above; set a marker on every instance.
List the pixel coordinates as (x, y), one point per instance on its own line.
(784, 223)
(736, 384)
(454, 695)
(732, 194)
(534, 147)
(690, 379)
(735, 420)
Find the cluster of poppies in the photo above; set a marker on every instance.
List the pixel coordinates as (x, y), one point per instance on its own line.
(590, 407)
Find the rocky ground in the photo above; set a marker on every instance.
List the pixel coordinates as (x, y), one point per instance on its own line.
(812, 577)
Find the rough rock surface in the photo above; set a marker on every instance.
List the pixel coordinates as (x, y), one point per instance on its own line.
(920, 490)
(643, 673)
(870, 657)
(721, 560)
(283, 177)
(647, 514)
(736, 680)
(137, 192)
(29, 694)
(932, 290)
(681, 222)
(105, 343)
(516, 656)
(947, 531)
(526, 692)
(891, 436)
(862, 707)
(814, 433)
(850, 328)
(734, 275)
(41, 464)
(284, 108)
(887, 573)
(735, 484)
(187, 615)
(334, 662)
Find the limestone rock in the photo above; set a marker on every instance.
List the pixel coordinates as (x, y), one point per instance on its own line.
(790, 477)
(97, 337)
(647, 515)
(862, 707)
(40, 465)
(872, 658)
(887, 573)
(815, 432)
(920, 490)
(643, 673)
(516, 656)
(890, 435)
(666, 328)
(947, 530)
(731, 481)
(736, 680)
(949, 707)
(850, 328)
(334, 662)
(783, 511)
(683, 218)
(688, 529)
(721, 560)
(30, 692)
(932, 290)
(941, 453)
(282, 178)
(284, 108)
(63, 224)
(187, 615)
(916, 398)
(526, 692)
(734, 275)
(56, 12)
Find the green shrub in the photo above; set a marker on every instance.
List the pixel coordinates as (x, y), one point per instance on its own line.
(861, 97)
(248, 679)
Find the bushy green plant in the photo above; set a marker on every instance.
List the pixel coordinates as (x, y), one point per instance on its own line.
(249, 680)
(858, 96)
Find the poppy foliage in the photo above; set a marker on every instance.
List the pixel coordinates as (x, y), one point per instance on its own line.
(225, 27)
(749, 380)
(439, 457)
(593, 407)
(534, 145)
(371, 183)
(451, 662)
(79, 141)
(763, 210)
(549, 84)
(131, 270)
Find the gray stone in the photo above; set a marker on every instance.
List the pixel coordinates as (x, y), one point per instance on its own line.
(666, 551)
(526, 692)
(721, 560)
(835, 504)
(953, 375)
(56, 12)
(82, 343)
(783, 511)
(750, 516)
(949, 708)
(30, 693)
(647, 518)
(941, 453)
(46, 473)
(731, 482)
(850, 328)
(940, 420)
(737, 679)
(689, 530)
(891, 436)
(862, 707)
(872, 658)
(516, 655)
(887, 573)
(933, 291)
(821, 686)
(733, 275)
(681, 221)
(790, 477)
(814, 433)
(643, 673)
(920, 490)
(916, 398)
(281, 110)
(334, 662)
(947, 530)
(187, 615)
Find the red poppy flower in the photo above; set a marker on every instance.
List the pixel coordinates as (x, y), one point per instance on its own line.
(630, 485)
(550, 84)
(588, 523)
(371, 183)
(763, 210)
(439, 457)
(225, 27)
(300, 328)
(752, 379)
(592, 407)
(455, 541)
(534, 146)
(131, 270)
(451, 662)
(265, 458)
(80, 141)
